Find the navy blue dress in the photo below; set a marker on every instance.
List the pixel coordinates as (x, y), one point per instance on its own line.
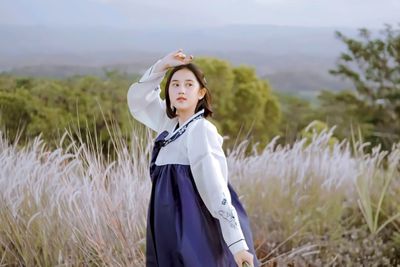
(180, 229)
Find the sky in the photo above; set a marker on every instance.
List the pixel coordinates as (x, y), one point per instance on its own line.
(205, 13)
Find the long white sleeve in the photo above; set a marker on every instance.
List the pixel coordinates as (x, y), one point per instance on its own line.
(144, 100)
(209, 168)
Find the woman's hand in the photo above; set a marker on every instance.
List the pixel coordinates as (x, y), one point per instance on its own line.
(172, 59)
(244, 256)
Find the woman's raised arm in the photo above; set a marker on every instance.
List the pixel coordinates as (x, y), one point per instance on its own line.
(144, 101)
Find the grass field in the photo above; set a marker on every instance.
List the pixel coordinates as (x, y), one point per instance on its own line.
(310, 204)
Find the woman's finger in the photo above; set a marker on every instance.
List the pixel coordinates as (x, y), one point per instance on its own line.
(180, 55)
(183, 58)
(189, 58)
(176, 53)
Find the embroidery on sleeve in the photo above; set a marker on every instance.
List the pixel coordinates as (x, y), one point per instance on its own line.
(227, 213)
(224, 201)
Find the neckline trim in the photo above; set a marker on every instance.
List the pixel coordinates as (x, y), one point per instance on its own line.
(186, 122)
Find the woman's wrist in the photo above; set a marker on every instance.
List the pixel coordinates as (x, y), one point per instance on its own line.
(159, 66)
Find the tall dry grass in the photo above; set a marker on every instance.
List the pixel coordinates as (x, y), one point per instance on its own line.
(318, 204)
(310, 204)
(72, 205)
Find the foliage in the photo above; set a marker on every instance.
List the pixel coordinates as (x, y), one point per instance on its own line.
(242, 102)
(33, 106)
(317, 127)
(297, 113)
(372, 64)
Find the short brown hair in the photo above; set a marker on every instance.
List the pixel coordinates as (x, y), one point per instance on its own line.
(204, 103)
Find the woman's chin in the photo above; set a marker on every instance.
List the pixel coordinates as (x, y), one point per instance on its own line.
(183, 109)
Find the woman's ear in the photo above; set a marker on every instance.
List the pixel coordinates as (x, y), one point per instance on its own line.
(202, 93)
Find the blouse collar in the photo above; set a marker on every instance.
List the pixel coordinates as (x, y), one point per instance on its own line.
(201, 111)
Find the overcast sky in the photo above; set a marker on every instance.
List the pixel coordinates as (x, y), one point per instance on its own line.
(184, 13)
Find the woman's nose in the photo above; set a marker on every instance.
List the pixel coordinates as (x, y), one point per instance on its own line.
(181, 89)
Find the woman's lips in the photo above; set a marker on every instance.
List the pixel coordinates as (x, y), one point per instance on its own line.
(181, 99)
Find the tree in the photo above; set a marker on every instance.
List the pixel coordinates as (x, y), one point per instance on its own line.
(373, 66)
(257, 110)
(244, 104)
(14, 116)
(297, 113)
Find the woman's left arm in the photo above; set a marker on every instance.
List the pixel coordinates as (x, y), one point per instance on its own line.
(209, 168)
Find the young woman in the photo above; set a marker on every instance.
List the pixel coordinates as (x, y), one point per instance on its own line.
(195, 217)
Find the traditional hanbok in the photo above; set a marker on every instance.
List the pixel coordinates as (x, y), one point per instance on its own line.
(195, 217)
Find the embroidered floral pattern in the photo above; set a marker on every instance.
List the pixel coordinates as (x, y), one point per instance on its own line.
(227, 214)
(223, 201)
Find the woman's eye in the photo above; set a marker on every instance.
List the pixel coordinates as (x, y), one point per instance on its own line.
(190, 84)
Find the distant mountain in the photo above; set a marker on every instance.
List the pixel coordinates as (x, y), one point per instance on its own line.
(291, 58)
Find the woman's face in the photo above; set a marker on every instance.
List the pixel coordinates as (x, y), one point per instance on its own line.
(184, 91)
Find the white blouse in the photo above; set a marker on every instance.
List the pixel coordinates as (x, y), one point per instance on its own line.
(200, 146)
